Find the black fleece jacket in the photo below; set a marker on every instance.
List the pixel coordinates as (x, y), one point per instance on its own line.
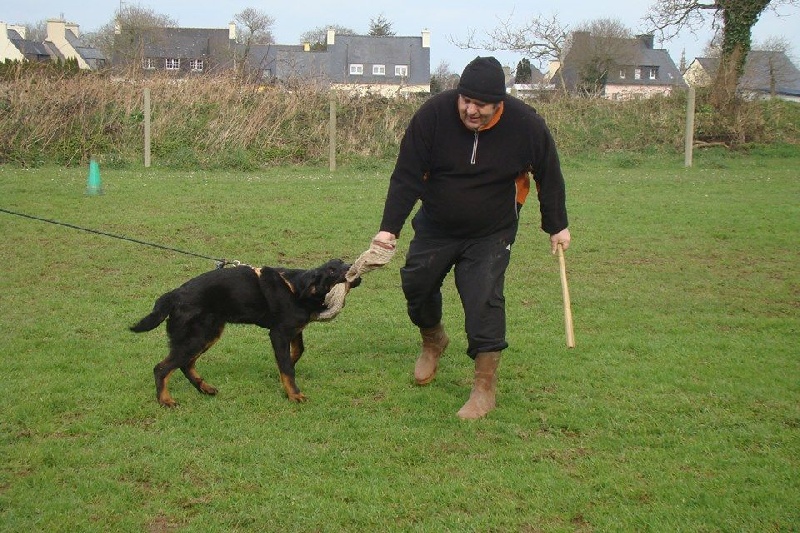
(472, 184)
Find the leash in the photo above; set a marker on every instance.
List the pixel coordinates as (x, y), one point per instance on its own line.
(220, 263)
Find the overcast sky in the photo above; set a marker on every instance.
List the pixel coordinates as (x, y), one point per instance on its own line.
(447, 21)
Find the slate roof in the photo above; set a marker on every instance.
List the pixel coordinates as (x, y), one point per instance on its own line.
(28, 48)
(760, 69)
(628, 54)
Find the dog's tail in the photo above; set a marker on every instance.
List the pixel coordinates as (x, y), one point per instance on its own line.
(161, 310)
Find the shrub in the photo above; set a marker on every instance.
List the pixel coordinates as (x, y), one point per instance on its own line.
(215, 122)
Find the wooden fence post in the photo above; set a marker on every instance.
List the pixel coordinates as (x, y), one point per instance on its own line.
(147, 128)
(332, 132)
(689, 139)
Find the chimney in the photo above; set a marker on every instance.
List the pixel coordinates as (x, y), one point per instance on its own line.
(19, 28)
(55, 30)
(232, 31)
(426, 38)
(74, 28)
(331, 37)
(647, 39)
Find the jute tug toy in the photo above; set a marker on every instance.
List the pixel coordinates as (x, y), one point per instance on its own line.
(565, 293)
(379, 254)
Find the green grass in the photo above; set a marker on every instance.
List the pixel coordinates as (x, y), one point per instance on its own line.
(679, 409)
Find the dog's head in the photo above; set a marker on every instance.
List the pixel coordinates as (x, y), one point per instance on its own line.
(315, 283)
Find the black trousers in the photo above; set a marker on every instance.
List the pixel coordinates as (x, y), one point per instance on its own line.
(480, 267)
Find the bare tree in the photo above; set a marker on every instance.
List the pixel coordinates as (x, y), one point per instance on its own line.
(443, 78)
(539, 39)
(318, 37)
(37, 31)
(254, 27)
(734, 19)
(777, 68)
(597, 46)
(117, 38)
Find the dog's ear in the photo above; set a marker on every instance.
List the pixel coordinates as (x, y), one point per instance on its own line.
(308, 284)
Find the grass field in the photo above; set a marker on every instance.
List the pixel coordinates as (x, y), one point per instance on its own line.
(679, 409)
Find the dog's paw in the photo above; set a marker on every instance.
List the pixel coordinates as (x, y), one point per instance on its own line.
(205, 388)
(297, 397)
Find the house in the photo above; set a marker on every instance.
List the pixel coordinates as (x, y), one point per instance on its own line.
(766, 74)
(182, 51)
(532, 89)
(14, 46)
(616, 68)
(384, 65)
(62, 42)
(388, 66)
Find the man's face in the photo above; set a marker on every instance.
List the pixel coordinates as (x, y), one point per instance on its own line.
(475, 113)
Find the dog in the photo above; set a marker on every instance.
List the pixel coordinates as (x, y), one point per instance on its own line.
(281, 300)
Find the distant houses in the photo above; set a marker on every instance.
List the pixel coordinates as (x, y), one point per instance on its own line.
(612, 68)
(767, 74)
(63, 42)
(386, 65)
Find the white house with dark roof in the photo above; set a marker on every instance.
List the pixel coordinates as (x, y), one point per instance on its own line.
(766, 74)
(636, 68)
(389, 65)
(62, 42)
(182, 51)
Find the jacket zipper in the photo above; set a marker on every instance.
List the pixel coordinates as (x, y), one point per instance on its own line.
(474, 149)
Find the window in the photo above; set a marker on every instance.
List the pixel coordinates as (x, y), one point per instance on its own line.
(637, 73)
(172, 64)
(653, 73)
(356, 69)
(148, 63)
(401, 70)
(196, 65)
(622, 73)
(379, 70)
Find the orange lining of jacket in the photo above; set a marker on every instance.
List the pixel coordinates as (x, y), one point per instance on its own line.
(523, 180)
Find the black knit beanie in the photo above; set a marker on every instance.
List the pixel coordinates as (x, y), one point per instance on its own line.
(483, 79)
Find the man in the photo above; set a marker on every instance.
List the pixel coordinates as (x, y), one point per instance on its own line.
(468, 155)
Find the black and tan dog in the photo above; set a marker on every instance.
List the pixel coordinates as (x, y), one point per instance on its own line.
(279, 299)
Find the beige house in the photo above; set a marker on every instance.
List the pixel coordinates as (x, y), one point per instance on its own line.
(10, 37)
(62, 42)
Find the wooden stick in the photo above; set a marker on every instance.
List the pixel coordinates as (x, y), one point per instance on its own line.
(565, 293)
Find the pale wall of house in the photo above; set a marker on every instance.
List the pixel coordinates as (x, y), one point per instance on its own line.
(56, 34)
(7, 48)
(625, 92)
(696, 76)
(381, 90)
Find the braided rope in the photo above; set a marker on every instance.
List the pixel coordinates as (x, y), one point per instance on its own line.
(378, 255)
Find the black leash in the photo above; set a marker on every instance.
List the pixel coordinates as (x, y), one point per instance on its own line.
(220, 263)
